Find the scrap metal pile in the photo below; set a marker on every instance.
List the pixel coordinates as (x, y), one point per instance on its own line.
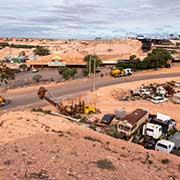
(155, 93)
(69, 110)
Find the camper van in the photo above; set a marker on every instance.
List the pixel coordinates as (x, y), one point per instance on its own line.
(131, 122)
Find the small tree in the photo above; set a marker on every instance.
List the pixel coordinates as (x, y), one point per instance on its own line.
(67, 72)
(23, 67)
(132, 57)
(37, 78)
(6, 73)
(61, 69)
(93, 59)
(41, 51)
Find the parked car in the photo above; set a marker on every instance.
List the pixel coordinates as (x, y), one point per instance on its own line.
(177, 84)
(98, 69)
(158, 99)
(175, 139)
(107, 119)
(145, 91)
(34, 70)
(165, 146)
(149, 143)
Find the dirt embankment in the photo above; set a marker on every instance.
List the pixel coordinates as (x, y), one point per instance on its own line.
(107, 49)
(38, 146)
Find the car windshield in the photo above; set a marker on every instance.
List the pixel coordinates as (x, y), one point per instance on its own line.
(158, 98)
(162, 145)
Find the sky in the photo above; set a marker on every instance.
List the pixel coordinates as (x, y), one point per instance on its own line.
(87, 19)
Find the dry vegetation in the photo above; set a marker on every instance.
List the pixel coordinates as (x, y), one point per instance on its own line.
(36, 145)
(77, 49)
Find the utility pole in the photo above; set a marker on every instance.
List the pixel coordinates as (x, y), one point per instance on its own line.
(94, 80)
(89, 67)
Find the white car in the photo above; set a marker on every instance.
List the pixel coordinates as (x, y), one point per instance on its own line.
(177, 84)
(34, 70)
(145, 91)
(158, 99)
(164, 146)
(128, 71)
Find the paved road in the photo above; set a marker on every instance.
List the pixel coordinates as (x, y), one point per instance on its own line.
(30, 97)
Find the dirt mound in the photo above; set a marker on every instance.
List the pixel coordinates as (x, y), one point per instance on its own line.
(40, 146)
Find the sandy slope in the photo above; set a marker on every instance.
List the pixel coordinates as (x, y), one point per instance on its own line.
(75, 50)
(34, 143)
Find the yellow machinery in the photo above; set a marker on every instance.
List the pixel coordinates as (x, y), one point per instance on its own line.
(117, 72)
(2, 101)
(89, 109)
(73, 109)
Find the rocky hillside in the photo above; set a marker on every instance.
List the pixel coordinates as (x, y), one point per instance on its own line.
(40, 146)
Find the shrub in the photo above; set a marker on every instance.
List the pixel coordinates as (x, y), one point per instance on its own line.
(37, 78)
(6, 73)
(150, 162)
(41, 51)
(105, 164)
(41, 110)
(112, 131)
(165, 161)
(61, 69)
(68, 73)
(23, 67)
(157, 58)
(22, 46)
(92, 139)
(85, 72)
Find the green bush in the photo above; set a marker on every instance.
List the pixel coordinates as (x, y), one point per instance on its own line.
(24, 67)
(41, 110)
(92, 139)
(61, 69)
(105, 164)
(67, 72)
(22, 46)
(156, 59)
(37, 78)
(41, 51)
(6, 73)
(165, 161)
(112, 131)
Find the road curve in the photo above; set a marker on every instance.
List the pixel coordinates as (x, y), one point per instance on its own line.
(30, 98)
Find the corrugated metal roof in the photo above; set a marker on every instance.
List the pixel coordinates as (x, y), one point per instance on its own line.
(135, 116)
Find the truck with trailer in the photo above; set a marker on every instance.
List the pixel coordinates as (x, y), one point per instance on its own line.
(121, 72)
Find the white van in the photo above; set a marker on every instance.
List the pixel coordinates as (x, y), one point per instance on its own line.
(152, 130)
(164, 146)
